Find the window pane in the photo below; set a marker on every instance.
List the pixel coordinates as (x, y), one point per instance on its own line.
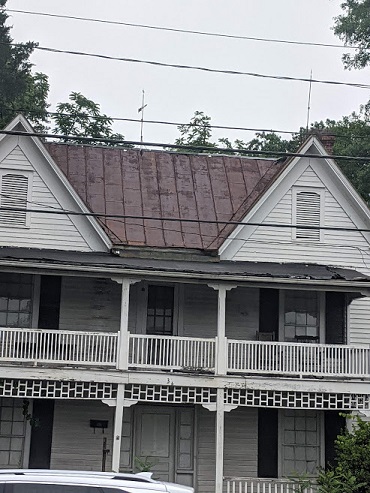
(160, 310)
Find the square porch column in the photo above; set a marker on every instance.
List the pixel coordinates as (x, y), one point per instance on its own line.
(123, 341)
(221, 342)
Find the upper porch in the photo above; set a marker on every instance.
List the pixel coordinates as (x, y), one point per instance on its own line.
(295, 326)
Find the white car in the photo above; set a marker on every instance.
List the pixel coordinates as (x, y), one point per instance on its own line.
(57, 481)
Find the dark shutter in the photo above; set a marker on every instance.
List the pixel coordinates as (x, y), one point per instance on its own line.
(335, 318)
(267, 443)
(269, 312)
(49, 302)
(334, 424)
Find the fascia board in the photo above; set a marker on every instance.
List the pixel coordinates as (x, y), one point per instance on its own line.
(23, 142)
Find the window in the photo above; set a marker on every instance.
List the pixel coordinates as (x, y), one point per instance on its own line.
(160, 310)
(308, 211)
(16, 300)
(14, 193)
(301, 316)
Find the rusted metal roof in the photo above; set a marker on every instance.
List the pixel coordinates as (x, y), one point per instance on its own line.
(166, 185)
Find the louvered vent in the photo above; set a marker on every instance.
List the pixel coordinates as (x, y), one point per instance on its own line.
(308, 214)
(14, 191)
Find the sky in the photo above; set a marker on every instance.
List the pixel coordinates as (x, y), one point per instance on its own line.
(174, 95)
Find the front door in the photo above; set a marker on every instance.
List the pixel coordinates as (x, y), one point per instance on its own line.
(155, 441)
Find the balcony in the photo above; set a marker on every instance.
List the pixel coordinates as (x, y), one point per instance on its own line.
(148, 352)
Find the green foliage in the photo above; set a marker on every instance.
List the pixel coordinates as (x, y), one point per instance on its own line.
(353, 28)
(19, 88)
(144, 464)
(81, 117)
(197, 132)
(337, 481)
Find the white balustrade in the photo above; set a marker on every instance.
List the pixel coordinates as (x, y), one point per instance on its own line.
(298, 358)
(261, 485)
(58, 346)
(172, 353)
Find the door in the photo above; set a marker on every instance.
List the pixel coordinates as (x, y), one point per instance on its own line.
(155, 441)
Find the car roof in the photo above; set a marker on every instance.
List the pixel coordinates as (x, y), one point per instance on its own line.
(142, 480)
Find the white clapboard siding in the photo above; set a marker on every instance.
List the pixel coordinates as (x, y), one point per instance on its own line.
(240, 452)
(92, 305)
(74, 444)
(45, 230)
(341, 248)
(199, 311)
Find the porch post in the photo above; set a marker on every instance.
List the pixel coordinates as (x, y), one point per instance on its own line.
(221, 343)
(123, 341)
(220, 434)
(117, 431)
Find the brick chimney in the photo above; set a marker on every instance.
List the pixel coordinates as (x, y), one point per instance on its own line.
(326, 137)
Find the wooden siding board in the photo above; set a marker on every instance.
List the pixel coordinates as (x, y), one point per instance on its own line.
(71, 420)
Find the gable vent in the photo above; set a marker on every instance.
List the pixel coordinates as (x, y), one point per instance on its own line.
(14, 192)
(308, 213)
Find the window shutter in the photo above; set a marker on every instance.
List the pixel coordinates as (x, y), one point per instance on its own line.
(14, 192)
(308, 214)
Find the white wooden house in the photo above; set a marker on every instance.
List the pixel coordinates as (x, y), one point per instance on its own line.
(220, 353)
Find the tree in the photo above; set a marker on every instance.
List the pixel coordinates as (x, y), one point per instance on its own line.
(353, 28)
(19, 88)
(197, 133)
(351, 473)
(81, 117)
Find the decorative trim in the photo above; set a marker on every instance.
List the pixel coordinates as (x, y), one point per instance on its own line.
(52, 389)
(170, 394)
(297, 400)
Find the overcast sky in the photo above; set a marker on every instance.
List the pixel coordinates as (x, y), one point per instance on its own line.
(173, 94)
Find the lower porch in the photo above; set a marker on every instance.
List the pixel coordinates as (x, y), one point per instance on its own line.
(263, 448)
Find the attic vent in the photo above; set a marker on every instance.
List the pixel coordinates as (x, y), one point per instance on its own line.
(14, 193)
(308, 213)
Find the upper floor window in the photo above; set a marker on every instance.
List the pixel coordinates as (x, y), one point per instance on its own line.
(308, 211)
(301, 316)
(16, 300)
(160, 311)
(14, 194)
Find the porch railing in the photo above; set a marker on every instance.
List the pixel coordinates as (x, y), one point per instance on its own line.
(171, 353)
(261, 485)
(58, 346)
(298, 358)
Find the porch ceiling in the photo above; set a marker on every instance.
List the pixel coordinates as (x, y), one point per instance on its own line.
(111, 265)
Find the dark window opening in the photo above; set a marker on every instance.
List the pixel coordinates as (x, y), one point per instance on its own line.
(160, 310)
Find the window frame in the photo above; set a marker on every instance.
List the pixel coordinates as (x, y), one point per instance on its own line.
(321, 193)
(27, 174)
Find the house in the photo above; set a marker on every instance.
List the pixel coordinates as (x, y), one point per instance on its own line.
(218, 350)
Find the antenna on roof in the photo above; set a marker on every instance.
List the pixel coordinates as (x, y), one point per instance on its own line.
(309, 103)
(141, 110)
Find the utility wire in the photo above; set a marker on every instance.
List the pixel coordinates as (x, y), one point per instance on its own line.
(211, 150)
(184, 31)
(177, 124)
(181, 220)
(194, 67)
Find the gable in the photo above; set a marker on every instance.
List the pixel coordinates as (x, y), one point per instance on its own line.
(27, 179)
(338, 209)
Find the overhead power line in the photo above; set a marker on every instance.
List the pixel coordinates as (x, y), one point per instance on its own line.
(183, 31)
(179, 219)
(176, 147)
(177, 124)
(198, 68)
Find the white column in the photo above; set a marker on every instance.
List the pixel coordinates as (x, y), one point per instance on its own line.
(220, 435)
(123, 341)
(221, 343)
(117, 431)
